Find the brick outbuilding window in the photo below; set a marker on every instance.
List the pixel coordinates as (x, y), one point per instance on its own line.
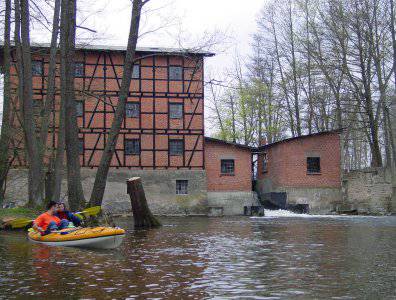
(176, 147)
(175, 73)
(313, 165)
(78, 69)
(175, 110)
(181, 187)
(227, 167)
(37, 68)
(132, 109)
(132, 147)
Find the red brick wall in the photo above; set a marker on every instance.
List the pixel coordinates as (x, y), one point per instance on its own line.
(287, 162)
(242, 179)
(153, 90)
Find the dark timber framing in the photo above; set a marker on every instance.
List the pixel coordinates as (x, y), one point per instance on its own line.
(98, 90)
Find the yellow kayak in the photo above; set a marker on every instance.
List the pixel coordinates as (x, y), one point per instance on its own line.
(96, 237)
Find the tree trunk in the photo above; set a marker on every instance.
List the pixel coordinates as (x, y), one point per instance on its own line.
(5, 124)
(294, 71)
(393, 136)
(142, 216)
(49, 101)
(36, 183)
(59, 155)
(67, 40)
(232, 105)
(103, 170)
(392, 28)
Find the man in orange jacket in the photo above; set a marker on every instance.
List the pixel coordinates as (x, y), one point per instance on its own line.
(47, 222)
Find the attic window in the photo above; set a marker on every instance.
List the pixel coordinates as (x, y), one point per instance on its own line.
(37, 68)
(175, 73)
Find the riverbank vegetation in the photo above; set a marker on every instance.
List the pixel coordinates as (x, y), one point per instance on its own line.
(18, 212)
(315, 65)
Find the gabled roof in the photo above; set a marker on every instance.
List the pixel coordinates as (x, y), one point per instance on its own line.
(210, 139)
(256, 150)
(162, 50)
(298, 138)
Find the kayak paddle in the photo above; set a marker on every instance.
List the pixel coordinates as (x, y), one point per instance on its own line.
(19, 223)
(91, 211)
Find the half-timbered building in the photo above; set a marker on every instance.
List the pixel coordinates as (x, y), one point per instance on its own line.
(163, 126)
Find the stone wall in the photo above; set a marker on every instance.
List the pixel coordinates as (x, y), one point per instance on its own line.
(321, 200)
(368, 191)
(232, 203)
(159, 185)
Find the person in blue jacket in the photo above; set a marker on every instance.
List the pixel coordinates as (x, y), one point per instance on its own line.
(63, 213)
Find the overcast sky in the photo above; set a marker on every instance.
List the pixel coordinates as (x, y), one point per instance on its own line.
(167, 23)
(188, 21)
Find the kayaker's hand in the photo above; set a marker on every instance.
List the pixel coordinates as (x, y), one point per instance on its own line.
(40, 229)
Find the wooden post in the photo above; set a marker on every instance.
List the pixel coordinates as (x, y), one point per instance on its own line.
(142, 215)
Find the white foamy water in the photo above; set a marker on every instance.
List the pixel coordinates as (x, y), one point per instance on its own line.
(282, 213)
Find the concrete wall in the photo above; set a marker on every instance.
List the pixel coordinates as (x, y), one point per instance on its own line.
(159, 185)
(232, 203)
(369, 191)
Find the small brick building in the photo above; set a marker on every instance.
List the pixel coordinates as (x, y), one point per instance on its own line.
(306, 168)
(229, 175)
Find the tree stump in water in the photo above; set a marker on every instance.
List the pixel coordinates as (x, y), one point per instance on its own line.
(142, 215)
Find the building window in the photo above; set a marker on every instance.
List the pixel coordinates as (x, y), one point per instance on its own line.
(37, 68)
(132, 110)
(227, 167)
(79, 108)
(313, 165)
(176, 147)
(175, 110)
(135, 72)
(181, 187)
(265, 163)
(81, 145)
(37, 107)
(132, 147)
(175, 73)
(78, 69)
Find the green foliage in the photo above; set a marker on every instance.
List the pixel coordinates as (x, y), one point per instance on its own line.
(19, 212)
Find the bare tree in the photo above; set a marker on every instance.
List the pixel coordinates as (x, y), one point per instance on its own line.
(22, 40)
(5, 128)
(67, 45)
(101, 175)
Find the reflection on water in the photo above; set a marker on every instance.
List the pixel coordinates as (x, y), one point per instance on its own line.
(265, 258)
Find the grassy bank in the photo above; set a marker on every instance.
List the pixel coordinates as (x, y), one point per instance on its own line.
(18, 212)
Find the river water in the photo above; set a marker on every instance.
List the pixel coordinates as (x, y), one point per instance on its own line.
(280, 256)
